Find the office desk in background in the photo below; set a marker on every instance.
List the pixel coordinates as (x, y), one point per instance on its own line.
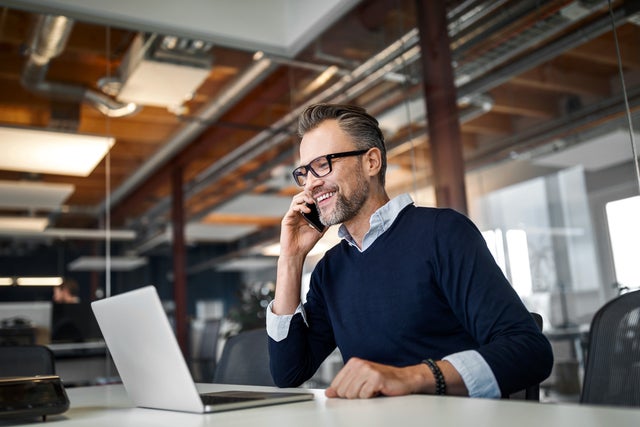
(109, 406)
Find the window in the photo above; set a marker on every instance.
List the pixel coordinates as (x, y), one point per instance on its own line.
(624, 232)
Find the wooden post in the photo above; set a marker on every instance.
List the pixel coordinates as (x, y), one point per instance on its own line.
(442, 107)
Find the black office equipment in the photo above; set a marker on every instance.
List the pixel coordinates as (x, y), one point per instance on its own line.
(612, 371)
(26, 397)
(203, 364)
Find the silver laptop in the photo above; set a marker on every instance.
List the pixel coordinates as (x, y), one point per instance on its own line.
(151, 366)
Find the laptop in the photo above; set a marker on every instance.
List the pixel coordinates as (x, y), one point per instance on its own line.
(151, 366)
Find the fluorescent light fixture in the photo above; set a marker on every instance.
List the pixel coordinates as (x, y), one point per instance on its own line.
(33, 195)
(151, 77)
(6, 281)
(70, 233)
(60, 153)
(19, 223)
(98, 263)
(39, 281)
(247, 264)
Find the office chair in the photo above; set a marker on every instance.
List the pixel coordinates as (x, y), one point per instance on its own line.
(245, 360)
(531, 392)
(612, 371)
(26, 360)
(204, 362)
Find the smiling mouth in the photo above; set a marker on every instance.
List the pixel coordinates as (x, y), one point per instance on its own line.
(325, 196)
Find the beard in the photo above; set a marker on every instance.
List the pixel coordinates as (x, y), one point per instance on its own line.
(347, 208)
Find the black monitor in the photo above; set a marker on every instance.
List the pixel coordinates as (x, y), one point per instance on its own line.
(73, 323)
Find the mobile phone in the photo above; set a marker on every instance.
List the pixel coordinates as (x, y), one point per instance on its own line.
(313, 217)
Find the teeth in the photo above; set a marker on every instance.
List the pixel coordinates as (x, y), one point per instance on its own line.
(325, 196)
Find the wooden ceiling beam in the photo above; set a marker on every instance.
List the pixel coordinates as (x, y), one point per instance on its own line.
(235, 219)
(491, 124)
(524, 102)
(603, 51)
(553, 79)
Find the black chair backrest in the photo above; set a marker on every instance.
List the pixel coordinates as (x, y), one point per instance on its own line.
(26, 360)
(531, 392)
(245, 360)
(204, 360)
(612, 371)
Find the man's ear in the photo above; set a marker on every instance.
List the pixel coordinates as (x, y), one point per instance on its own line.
(373, 160)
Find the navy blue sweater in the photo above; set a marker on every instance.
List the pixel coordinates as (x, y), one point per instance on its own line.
(426, 288)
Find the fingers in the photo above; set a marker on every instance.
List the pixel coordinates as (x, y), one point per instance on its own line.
(299, 203)
(358, 379)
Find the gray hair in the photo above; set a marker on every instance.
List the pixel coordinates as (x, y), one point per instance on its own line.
(354, 121)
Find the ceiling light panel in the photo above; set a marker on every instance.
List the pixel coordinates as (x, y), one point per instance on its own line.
(23, 224)
(60, 153)
(159, 72)
(33, 195)
(261, 205)
(39, 281)
(98, 263)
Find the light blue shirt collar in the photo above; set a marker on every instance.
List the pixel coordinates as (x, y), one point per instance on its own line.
(379, 222)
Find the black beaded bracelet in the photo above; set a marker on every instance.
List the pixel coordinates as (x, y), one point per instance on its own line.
(441, 386)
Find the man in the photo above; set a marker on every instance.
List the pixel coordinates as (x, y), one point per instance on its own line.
(411, 296)
(66, 292)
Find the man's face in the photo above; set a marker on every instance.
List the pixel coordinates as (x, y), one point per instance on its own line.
(340, 194)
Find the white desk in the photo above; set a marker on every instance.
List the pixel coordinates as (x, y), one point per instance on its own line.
(109, 406)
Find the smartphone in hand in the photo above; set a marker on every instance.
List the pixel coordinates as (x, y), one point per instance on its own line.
(313, 218)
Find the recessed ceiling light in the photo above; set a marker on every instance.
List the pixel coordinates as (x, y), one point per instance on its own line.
(33, 195)
(61, 153)
(18, 223)
(39, 281)
(98, 263)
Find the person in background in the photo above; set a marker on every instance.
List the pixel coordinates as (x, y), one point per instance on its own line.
(67, 292)
(411, 296)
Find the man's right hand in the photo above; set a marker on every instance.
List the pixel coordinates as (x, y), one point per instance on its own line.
(297, 237)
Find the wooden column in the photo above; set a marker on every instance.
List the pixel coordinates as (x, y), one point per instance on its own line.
(442, 109)
(179, 270)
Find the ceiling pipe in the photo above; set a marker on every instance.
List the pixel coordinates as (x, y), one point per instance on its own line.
(48, 40)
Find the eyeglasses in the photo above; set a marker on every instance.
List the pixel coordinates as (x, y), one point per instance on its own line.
(320, 166)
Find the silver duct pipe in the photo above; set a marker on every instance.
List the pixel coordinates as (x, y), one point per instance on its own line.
(48, 40)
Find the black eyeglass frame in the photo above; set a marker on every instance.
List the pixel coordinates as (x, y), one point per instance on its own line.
(297, 172)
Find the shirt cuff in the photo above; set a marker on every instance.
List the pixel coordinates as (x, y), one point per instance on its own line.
(476, 374)
(278, 325)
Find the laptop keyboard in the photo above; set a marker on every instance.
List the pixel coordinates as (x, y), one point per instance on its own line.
(218, 398)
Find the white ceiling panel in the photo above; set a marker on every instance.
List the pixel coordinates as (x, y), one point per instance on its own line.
(608, 150)
(33, 195)
(281, 27)
(259, 205)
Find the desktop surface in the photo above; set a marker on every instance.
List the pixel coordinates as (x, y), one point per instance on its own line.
(109, 405)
